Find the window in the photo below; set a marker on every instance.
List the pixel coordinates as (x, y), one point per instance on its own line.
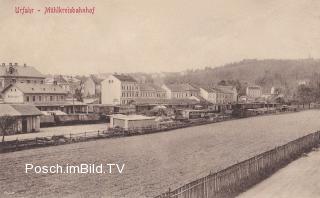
(41, 82)
(51, 98)
(33, 98)
(28, 99)
(40, 98)
(28, 81)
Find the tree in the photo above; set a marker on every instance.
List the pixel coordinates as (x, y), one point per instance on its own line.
(305, 94)
(7, 123)
(78, 93)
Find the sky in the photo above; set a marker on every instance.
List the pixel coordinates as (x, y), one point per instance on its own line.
(157, 35)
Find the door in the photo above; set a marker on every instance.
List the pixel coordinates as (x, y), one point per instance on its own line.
(24, 125)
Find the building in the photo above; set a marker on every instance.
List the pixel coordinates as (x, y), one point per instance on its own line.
(180, 91)
(44, 97)
(27, 117)
(119, 90)
(217, 96)
(128, 122)
(254, 91)
(151, 91)
(15, 73)
(33, 93)
(227, 89)
(92, 86)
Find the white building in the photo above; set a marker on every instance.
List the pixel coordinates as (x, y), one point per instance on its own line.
(254, 91)
(119, 90)
(127, 122)
(217, 96)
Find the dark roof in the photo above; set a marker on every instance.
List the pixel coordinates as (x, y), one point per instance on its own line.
(181, 87)
(37, 88)
(150, 87)
(20, 71)
(124, 78)
(19, 110)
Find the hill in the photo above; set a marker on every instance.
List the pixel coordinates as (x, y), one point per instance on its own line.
(284, 74)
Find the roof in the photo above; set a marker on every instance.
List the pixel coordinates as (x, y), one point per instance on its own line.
(211, 89)
(254, 87)
(37, 88)
(19, 110)
(20, 71)
(124, 78)
(181, 87)
(150, 87)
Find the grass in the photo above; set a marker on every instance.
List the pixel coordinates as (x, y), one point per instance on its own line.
(154, 162)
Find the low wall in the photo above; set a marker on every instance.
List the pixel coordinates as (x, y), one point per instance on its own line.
(239, 177)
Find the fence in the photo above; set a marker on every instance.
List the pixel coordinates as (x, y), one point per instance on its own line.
(236, 178)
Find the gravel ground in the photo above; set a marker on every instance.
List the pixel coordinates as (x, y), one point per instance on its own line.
(154, 162)
(60, 130)
(300, 179)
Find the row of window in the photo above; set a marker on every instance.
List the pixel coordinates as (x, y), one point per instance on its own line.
(129, 87)
(44, 98)
(152, 94)
(27, 81)
(130, 94)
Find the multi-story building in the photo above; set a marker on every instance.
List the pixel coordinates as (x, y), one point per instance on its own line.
(15, 73)
(33, 93)
(254, 91)
(215, 95)
(44, 97)
(119, 90)
(180, 91)
(231, 93)
(151, 91)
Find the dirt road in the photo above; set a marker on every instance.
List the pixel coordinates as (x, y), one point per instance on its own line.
(300, 179)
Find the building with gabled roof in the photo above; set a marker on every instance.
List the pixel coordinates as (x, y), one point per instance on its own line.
(27, 117)
(151, 91)
(15, 73)
(183, 90)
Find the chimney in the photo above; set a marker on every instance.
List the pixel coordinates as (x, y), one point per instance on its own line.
(25, 65)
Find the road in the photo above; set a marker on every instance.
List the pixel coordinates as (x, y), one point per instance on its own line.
(154, 162)
(300, 179)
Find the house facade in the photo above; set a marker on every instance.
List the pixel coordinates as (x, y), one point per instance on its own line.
(254, 91)
(180, 91)
(151, 91)
(119, 90)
